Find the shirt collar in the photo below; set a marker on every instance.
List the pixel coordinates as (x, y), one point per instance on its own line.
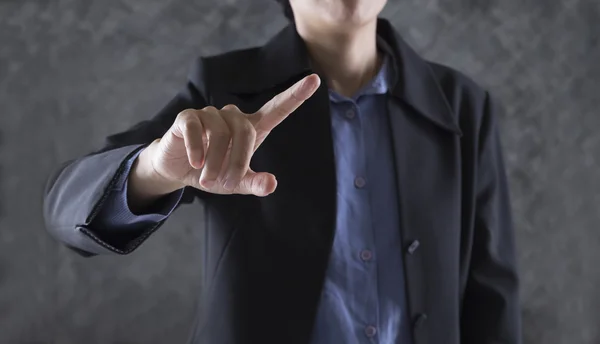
(284, 59)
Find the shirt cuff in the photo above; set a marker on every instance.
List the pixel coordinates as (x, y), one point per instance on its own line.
(116, 212)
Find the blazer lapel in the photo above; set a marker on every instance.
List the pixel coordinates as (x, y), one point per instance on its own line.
(428, 180)
(426, 142)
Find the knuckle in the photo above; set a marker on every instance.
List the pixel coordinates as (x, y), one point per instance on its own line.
(231, 107)
(277, 107)
(247, 129)
(187, 121)
(188, 124)
(239, 125)
(210, 108)
(186, 114)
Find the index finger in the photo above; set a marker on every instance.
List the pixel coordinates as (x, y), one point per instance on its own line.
(283, 104)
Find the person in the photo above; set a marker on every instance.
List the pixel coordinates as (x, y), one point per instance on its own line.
(353, 191)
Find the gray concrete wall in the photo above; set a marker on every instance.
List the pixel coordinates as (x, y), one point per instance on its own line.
(73, 71)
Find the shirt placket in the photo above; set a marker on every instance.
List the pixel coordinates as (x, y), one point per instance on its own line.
(366, 255)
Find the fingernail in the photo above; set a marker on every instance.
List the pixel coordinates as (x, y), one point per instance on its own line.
(229, 185)
(207, 183)
(317, 80)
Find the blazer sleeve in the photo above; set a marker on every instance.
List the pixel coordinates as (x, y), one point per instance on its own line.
(116, 220)
(491, 312)
(76, 192)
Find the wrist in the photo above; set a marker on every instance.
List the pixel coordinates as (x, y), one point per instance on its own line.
(145, 182)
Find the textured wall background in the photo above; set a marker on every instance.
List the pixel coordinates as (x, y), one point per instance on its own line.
(73, 71)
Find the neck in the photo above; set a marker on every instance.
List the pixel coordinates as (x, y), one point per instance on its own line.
(348, 60)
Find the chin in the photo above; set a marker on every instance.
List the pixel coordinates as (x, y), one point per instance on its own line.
(337, 14)
(350, 22)
(357, 12)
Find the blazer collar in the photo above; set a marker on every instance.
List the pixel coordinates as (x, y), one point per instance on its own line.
(284, 59)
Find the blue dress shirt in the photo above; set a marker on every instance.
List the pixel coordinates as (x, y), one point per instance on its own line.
(364, 296)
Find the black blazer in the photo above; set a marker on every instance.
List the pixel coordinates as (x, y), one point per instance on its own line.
(265, 258)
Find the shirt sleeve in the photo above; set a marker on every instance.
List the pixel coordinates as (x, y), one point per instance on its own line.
(116, 216)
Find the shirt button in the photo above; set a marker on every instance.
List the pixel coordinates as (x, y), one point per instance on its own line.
(366, 255)
(370, 331)
(350, 114)
(360, 182)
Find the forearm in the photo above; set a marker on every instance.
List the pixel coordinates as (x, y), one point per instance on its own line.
(73, 195)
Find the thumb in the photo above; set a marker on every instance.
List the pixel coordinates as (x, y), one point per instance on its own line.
(257, 183)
